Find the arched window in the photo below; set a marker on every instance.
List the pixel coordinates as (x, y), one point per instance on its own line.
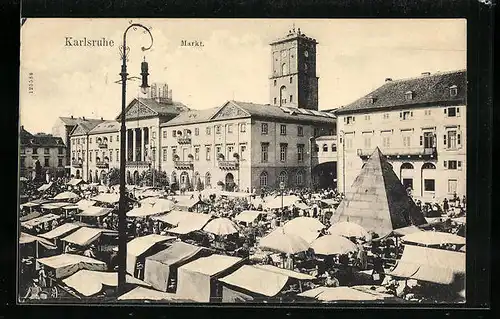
(316, 148)
(283, 69)
(283, 95)
(407, 166)
(263, 179)
(325, 148)
(299, 178)
(334, 147)
(208, 180)
(174, 177)
(282, 178)
(428, 166)
(184, 178)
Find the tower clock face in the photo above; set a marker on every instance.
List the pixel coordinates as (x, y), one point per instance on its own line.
(306, 54)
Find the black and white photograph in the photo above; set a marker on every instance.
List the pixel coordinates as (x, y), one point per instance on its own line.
(233, 161)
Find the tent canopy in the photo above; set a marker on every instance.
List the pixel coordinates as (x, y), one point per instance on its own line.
(85, 235)
(211, 265)
(193, 223)
(257, 280)
(95, 211)
(339, 294)
(429, 264)
(221, 226)
(68, 264)
(248, 216)
(39, 220)
(433, 238)
(282, 242)
(141, 294)
(176, 216)
(44, 187)
(286, 272)
(60, 231)
(52, 206)
(84, 203)
(377, 200)
(275, 202)
(140, 245)
(27, 239)
(107, 198)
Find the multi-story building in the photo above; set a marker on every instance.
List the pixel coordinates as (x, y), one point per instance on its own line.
(324, 172)
(97, 149)
(419, 124)
(41, 154)
(63, 128)
(243, 145)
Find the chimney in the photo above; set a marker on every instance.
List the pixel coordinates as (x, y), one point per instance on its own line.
(426, 73)
(102, 119)
(83, 118)
(388, 79)
(71, 116)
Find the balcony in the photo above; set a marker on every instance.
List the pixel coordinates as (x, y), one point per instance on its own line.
(183, 164)
(184, 140)
(103, 145)
(228, 165)
(77, 164)
(402, 153)
(102, 165)
(138, 164)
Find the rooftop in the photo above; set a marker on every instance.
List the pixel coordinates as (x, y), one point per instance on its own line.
(106, 127)
(428, 88)
(158, 108)
(40, 139)
(72, 121)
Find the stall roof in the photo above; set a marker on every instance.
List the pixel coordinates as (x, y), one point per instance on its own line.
(44, 187)
(84, 203)
(85, 235)
(139, 245)
(248, 216)
(39, 220)
(177, 252)
(30, 204)
(256, 280)
(406, 230)
(211, 265)
(95, 211)
(195, 222)
(175, 217)
(75, 182)
(56, 205)
(27, 238)
(67, 264)
(429, 264)
(286, 272)
(60, 231)
(275, 202)
(187, 203)
(330, 201)
(141, 293)
(90, 282)
(107, 198)
(339, 294)
(235, 194)
(29, 216)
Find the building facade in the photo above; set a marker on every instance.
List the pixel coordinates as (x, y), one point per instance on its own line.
(96, 150)
(419, 124)
(293, 80)
(41, 154)
(242, 145)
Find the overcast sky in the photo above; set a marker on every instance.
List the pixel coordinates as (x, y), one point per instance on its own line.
(353, 58)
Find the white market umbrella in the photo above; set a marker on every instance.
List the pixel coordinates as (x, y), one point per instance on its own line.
(433, 238)
(221, 227)
(333, 245)
(283, 243)
(66, 195)
(307, 228)
(348, 229)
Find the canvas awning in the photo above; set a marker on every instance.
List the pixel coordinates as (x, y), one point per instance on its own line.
(429, 264)
(301, 205)
(433, 238)
(139, 245)
(52, 206)
(60, 231)
(406, 230)
(84, 203)
(39, 220)
(157, 267)
(30, 204)
(85, 235)
(75, 182)
(187, 203)
(330, 201)
(175, 217)
(248, 216)
(90, 282)
(275, 202)
(107, 198)
(256, 280)
(29, 216)
(27, 239)
(44, 187)
(68, 264)
(193, 223)
(235, 194)
(286, 272)
(307, 228)
(95, 211)
(141, 294)
(194, 279)
(339, 294)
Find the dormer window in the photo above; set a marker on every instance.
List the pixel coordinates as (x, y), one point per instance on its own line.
(453, 90)
(409, 95)
(370, 99)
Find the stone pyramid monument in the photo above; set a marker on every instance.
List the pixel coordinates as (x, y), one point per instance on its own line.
(377, 200)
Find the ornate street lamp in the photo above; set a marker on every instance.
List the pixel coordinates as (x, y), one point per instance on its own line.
(122, 222)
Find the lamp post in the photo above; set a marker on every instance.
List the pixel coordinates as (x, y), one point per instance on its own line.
(342, 136)
(122, 222)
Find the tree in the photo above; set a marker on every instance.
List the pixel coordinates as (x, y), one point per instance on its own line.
(160, 178)
(113, 176)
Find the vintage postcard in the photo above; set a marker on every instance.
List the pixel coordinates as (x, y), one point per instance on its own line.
(242, 161)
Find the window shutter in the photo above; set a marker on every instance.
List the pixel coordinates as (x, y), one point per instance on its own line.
(445, 164)
(459, 142)
(444, 139)
(459, 165)
(444, 111)
(421, 140)
(458, 111)
(411, 114)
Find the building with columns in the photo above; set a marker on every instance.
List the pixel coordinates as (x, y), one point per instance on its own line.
(242, 145)
(96, 150)
(419, 124)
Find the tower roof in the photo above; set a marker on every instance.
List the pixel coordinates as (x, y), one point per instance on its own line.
(377, 200)
(294, 35)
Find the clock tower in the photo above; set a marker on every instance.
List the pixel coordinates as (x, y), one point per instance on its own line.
(293, 79)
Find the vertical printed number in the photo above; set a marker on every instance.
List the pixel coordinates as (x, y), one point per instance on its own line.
(31, 83)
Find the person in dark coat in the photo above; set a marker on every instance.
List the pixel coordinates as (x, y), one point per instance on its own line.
(446, 206)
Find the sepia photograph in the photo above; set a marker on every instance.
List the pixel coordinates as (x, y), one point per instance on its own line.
(233, 161)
